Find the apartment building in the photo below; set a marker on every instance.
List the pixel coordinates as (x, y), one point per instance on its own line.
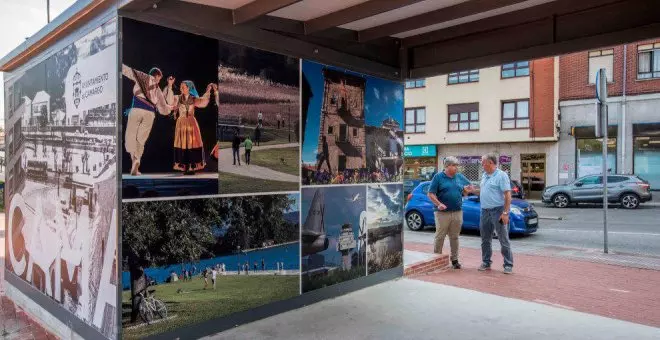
(633, 75)
(509, 109)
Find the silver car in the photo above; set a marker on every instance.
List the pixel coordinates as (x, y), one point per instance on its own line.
(628, 190)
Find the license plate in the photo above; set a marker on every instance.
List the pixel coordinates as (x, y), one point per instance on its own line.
(533, 221)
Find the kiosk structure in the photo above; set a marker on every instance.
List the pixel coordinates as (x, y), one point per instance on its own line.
(175, 168)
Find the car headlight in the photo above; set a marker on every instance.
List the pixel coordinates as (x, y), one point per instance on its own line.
(516, 211)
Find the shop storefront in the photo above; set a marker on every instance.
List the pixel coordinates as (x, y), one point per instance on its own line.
(472, 169)
(421, 161)
(589, 151)
(646, 153)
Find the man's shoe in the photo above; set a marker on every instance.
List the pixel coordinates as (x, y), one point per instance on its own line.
(508, 270)
(484, 267)
(455, 264)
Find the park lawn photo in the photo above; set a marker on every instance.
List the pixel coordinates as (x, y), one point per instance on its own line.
(283, 160)
(237, 184)
(189, 303)
(173, 251)
(259, 107)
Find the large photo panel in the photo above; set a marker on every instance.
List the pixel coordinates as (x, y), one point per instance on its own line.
(333, 235)
(192, 260)
(61, 177)
(352, 127)
(384, 227)
(258, 121)
(170, 102)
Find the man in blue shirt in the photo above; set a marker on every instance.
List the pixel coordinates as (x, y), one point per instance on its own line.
(446, 192)
(495, 197)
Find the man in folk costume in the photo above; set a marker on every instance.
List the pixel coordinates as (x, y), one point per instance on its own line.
(147, 99)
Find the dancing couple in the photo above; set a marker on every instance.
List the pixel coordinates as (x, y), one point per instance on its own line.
(149, 98)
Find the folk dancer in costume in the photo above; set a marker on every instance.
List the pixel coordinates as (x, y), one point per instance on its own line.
(188, 146)
(147, 99)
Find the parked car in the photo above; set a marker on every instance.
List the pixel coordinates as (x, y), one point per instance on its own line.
(517, 190)
(409, 185)
(419, 212)
(628, 190)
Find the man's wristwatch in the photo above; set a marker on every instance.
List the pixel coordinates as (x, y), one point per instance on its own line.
(505, 213)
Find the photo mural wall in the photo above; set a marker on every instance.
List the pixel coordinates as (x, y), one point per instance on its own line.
(61, 177)
(248, 178)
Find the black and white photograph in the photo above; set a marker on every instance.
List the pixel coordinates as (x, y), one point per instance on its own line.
(61, 166)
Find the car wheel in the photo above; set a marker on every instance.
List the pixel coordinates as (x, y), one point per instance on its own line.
(415, 221)
(630, 201)
(560, 201)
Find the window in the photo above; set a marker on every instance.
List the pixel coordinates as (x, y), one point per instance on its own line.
(515, 114)
(463, 117)
(331, 130)
(589, 156)
(415, 84)
(463, 77)
(646, 159)
(355, 132)
(343, 133)
(416, 120)
(517, 69)
(601, 59)
(648, 61)
(590, 180)
(616, 179)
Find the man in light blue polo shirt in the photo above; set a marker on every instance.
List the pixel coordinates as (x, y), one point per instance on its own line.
(495, 197)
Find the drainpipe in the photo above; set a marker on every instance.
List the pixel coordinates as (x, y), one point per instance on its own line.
(623, 133)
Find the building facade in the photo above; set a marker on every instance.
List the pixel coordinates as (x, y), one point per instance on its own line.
(508, 109)
(633, 75)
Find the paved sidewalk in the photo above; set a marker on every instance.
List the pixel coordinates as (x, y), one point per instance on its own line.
(618, 292)
(226, 159)
(413, 309)
(532, 247)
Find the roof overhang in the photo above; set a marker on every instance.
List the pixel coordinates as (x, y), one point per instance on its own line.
(394, 39)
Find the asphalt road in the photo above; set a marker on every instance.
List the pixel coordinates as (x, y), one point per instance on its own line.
(629, 231)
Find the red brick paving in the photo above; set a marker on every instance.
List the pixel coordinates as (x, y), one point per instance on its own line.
(617, 292)
(15, 324)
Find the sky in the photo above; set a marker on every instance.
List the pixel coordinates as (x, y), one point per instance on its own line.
(20, 19)
(385, 201)
(383, 99)
(339, 209)
(295, 206)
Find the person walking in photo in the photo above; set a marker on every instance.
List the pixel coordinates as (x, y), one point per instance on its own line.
(279, 120)
(148, 98)
(263, 265)
(214, 276)
(205, 275)
(495, 198)
(236, 148)
(257, 135)
(446, 192)
(248, 149)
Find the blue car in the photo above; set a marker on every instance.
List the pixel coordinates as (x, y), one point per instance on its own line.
(419, 212)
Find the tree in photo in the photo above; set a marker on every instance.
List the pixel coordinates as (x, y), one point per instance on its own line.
(163, 232)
